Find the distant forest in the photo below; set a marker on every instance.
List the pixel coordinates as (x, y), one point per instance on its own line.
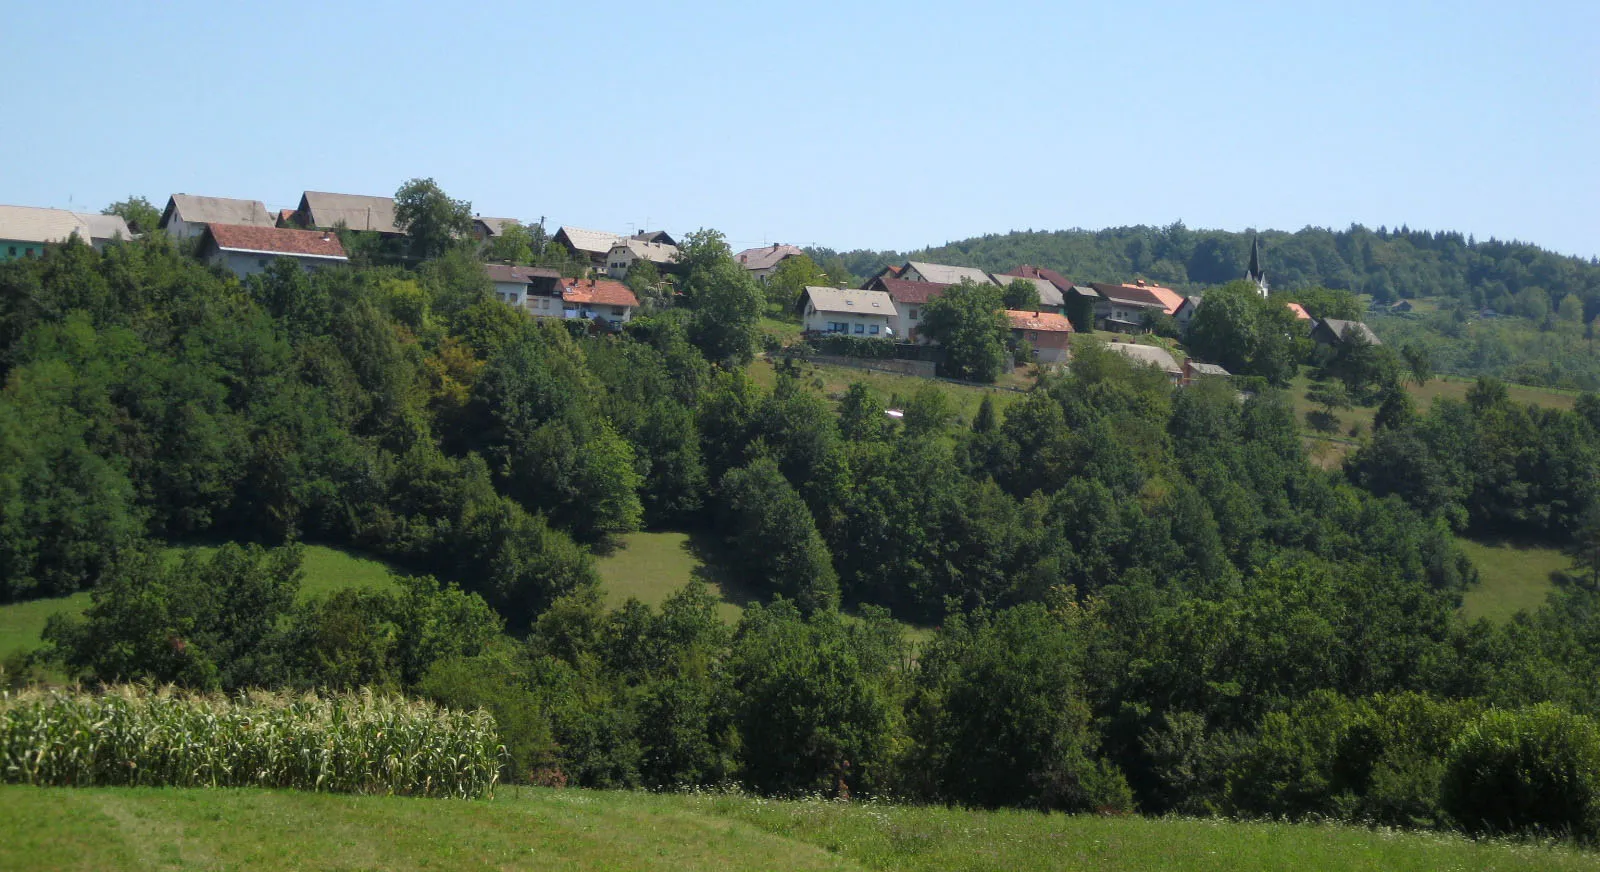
(1389, 264)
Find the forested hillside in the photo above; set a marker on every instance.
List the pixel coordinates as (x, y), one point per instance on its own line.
(1147, 597)
(1389, 264)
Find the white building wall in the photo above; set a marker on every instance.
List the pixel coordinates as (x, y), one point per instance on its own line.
(244, 265)
(820, 322)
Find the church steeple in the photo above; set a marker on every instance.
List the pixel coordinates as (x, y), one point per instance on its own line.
(1256, 273)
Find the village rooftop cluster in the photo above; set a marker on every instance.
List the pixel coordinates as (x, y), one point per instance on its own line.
(244, 237)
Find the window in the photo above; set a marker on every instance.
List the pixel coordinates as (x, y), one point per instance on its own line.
(261, 262)
(861, 328)
(913, 314)
(874, 330)
(618, 310)
(13, 251)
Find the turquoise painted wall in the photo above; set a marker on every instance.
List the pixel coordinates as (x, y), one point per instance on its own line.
(10, 249)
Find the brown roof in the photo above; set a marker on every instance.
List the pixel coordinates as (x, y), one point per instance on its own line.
(906, 290)
(1299, 311)
(1027, 271)
(499, 272)
(603, 292)
(277, 240)
(1147, 295)
(1042, 321)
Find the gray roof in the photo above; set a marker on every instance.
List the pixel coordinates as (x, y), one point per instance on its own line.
(949, 275)
(767, 256)
(1049, 294)
(590, 241)
(357, 211)
(1338, 328)
(499, 272)
(32, 224)
(850, 300)
(217, 210)
(496, 226)
(1149, 355)
(1206, 369)
(655, 252)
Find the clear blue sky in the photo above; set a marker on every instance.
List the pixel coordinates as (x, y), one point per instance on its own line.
(858, 124)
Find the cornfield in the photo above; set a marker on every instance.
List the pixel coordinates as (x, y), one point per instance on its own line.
(355, 743)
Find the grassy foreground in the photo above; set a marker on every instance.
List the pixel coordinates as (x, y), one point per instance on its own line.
(111, 829)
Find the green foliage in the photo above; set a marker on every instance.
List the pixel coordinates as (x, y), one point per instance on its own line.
(514, 245)
(1003, 721)
(726, 301)
(854, 346)
(1022, 295)
(430, 219)
(1530, 770)
(788, 283)
(814, 710)
(969, 322)
(132, 737)
(773, 538)
(1248, 335)
(141, 215)
(1322, 303)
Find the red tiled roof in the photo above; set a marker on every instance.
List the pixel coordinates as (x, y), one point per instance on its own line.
(1042, 321)
(277, 240)
(602, 292)
(1299, 311)
(1149, 295)
(1035, 273)
(908, 291)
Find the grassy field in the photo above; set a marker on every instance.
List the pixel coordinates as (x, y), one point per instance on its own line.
(588, 830)
(964, 399)
(326, 570)
(1511, 578)
(649, 567)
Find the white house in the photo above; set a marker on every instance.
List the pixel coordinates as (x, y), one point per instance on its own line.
(626, 252)
(527, 287)
(763, 262)
(187, 216)
(869, 314)
(589, 299)
(910, 300)
(246, 251)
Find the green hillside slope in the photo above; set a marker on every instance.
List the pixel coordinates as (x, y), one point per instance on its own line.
(584, 830)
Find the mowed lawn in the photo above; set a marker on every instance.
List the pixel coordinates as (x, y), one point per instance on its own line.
(650, 567)
(326, 570)
(1511, 578)
(579, 830)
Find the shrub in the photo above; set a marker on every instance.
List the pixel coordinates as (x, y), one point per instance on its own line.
(852, 346)
(356, 743)
(1536, 769)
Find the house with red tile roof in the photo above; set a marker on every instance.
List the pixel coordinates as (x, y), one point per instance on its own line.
(1049, 333)
(910, 298)
(246, 251)
(534, 288)
(1123, 308)
(603, 299)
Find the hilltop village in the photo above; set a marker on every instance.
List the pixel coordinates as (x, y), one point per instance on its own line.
(599, 277)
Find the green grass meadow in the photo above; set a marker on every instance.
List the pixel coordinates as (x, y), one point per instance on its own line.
(1511, 578)
(578, 830)
(326, 570)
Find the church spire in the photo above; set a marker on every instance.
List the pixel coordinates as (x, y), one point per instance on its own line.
(1256, 273)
